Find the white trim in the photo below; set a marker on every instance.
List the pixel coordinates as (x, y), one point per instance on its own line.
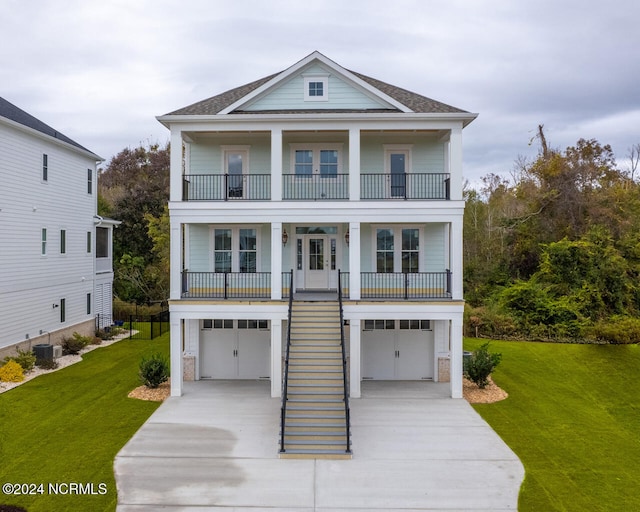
(324, 80)
(235, 245)
(396, 229)
(315, 148)
(315, 56)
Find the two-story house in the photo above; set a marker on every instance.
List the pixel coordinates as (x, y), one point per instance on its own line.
(301, 184)
(55, 252)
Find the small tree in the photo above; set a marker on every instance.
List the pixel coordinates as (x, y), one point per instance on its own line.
(479, 366)
(153, 370)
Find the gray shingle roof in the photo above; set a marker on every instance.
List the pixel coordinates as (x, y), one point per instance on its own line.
(10, 111)
(416, 102)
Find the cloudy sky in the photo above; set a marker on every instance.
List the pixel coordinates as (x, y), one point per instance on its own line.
(100, 71)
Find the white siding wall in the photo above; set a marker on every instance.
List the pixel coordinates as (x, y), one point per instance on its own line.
(31, 283)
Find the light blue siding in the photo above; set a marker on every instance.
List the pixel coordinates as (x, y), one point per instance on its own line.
(206, 157)
(427, 154)
(290, 95)
(199, 247)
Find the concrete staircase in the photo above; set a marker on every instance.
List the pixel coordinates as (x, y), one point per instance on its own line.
(315, 422)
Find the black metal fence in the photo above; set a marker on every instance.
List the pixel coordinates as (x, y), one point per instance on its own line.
(141, 327)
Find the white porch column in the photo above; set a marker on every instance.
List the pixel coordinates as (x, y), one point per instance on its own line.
(354, 164)
(276, 358)
(455, 163)
(354, 358)
(354, 261)
(276, 261)
(276, 164)
(175, 276)
(176, 355)
(455, 251)
(456, 357)
(175, 161)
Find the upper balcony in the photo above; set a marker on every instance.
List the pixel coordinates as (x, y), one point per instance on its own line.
(316, 187)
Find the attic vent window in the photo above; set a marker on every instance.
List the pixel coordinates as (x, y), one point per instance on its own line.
(316, 88)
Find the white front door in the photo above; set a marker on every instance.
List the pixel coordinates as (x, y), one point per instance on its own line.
(316, 261)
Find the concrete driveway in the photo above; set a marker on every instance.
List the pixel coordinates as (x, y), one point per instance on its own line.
(216, 448)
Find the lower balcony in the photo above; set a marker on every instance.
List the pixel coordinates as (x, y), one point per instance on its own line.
(376, 286)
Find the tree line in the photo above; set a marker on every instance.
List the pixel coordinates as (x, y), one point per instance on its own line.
(551, 250)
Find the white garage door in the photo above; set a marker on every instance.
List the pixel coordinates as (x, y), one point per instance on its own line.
(235, 349)
(397, 350)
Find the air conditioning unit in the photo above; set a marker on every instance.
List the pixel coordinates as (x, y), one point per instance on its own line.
(57, 351)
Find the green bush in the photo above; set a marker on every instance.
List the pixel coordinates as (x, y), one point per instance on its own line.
(618, 330)
(11, 372)
(480, 364)
(48, 364)
(75, 344)
(25, 358)
(153, 370)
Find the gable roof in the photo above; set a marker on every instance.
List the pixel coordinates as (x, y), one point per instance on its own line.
(230, 102)
(11, 112)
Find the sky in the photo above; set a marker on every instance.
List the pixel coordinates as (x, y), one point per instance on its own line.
(100, 71)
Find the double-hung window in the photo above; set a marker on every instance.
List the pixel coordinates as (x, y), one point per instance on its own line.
(235, 250)
(398, 249)
(63, 241)
(89, 181)
(45, 167)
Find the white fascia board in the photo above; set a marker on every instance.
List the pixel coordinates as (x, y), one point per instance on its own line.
(243, 310)
(369, 212)
(43, 136)
(365, 121)
(436, 310)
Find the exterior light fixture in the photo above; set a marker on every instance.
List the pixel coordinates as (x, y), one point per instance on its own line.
(346, 237)
(285, 237)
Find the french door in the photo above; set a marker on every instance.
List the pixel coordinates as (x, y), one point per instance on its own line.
(317, 262)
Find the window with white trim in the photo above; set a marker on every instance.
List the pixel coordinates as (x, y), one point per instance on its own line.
(323, 160)
(398, 249)
(63, 241)
(45, 167)
(43, 242)
(235, 250)
(316, 88)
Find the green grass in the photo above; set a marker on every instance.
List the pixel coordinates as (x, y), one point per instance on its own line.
(68, 426)
(573, 418)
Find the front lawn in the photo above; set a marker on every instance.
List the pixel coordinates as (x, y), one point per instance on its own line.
(573, 418)
(66, 427)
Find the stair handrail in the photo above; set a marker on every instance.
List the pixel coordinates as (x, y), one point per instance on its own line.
(344, 366)
(283, 407)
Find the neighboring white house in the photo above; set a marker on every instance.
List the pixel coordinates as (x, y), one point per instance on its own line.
(301, 175)
(55, 252)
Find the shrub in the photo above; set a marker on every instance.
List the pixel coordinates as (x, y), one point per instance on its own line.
(48, 364)
(25, 358)
(153, 370)
(480, 364)
(618, 330)
(75, 344)
(11, 372)
(104, 334)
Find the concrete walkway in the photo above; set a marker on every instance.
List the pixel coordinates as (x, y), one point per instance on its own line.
(215, 448)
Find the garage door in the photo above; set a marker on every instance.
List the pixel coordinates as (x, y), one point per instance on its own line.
(235, 349)
(397, 350)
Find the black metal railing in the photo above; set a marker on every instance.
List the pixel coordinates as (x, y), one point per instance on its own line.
(226, 187)
(283, 407)
(287, 281)
(226, 285)
(343, 283)
(405, 186)
(344, 368)
(407, 286)
(315, 187)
